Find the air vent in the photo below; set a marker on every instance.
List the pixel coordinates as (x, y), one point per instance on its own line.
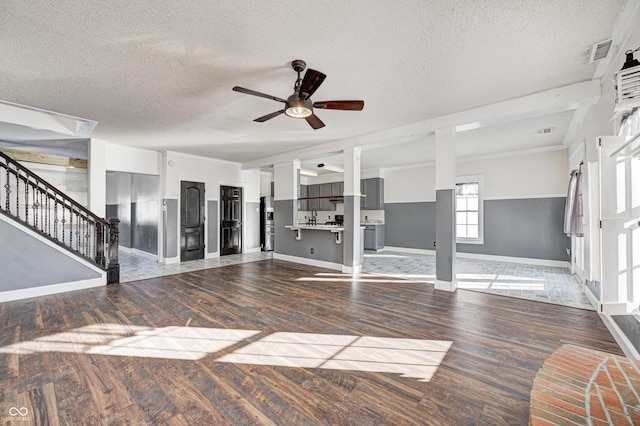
(600, 50)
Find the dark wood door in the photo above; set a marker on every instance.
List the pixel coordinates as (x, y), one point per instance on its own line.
(230, 220)
(191, 220)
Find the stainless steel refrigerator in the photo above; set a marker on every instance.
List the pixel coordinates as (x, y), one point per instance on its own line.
(266, 223)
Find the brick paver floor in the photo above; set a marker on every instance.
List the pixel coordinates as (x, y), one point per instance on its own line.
(582, 386)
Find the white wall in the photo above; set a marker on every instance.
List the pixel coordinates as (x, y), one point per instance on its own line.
(265, 184)
(529, 175)
(213, 173)
(619, 294)
(72, 181)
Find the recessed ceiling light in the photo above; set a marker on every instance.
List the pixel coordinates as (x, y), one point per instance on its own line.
(331, 168)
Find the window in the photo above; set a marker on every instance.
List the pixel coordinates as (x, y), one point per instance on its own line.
(469, 212)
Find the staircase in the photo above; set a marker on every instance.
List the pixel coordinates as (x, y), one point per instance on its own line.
(38, 205)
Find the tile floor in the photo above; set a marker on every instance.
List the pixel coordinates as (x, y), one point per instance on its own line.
(540, 283)
(135, 266)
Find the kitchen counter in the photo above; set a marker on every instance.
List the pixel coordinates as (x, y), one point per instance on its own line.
(337, 229)
(321, 227)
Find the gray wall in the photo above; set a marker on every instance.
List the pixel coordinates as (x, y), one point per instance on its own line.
(144, 212)
(32, 263)
(323, 242)
(133, 198)
(529, 228)
(410, 225)
(118, 196)
(170, 227)
(212, 226)
(252, 225)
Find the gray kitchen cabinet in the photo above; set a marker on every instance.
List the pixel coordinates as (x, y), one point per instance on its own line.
(337, 190)
(373, 189)
(313, 191)
(373, 236)
(303, 205)
(325, 191)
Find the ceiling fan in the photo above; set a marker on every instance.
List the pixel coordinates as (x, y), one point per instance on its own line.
(299, 104)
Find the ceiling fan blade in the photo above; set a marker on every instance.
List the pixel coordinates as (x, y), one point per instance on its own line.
(310, 83)
(254, 93)
(268, 116)
(343, 105)
(314, 122)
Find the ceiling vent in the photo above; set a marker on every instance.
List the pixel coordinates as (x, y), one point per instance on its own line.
(600, 50)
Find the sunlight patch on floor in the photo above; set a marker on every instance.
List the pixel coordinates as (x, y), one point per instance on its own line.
(412, 358)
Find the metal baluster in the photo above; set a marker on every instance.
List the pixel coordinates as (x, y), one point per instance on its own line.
(17, 196)
(64, 221)
(34, 206)
(70, 227)
(7, 193)
(55, 218)
(100, 260)
(48, 224)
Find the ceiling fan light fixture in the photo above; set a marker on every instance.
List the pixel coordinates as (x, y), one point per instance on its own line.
(297, 108)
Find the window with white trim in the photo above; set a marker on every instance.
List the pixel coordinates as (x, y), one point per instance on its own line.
(469, 227)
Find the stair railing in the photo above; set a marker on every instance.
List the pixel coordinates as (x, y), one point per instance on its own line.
(32, 201)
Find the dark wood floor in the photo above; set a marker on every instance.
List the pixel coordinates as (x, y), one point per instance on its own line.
(499, 343)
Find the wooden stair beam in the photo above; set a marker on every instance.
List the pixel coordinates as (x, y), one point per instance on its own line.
(37, 157)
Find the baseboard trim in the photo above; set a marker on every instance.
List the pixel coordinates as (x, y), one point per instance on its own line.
(310, 262)
(620, 308)
(47, 290)
(622, 340)
(462, 255)
(446, 285)
(523, 260)
(143, 253)
(592, 297)
(408, 250)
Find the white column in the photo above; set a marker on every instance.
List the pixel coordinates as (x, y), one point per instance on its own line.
(286, 178)
(352, 238)
(445, 210)
(97, 177)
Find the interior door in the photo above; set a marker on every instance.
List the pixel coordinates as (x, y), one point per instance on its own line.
(191, 220)
(230, 220)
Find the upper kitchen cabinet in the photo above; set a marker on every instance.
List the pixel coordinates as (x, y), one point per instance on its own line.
(325, 203)
(313, 191)
(303, 205)
(373, 189)
(337, 189)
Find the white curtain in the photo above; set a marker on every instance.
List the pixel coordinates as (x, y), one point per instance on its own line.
(573, 210)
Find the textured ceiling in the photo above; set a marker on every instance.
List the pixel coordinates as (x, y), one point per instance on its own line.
(158, 74)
